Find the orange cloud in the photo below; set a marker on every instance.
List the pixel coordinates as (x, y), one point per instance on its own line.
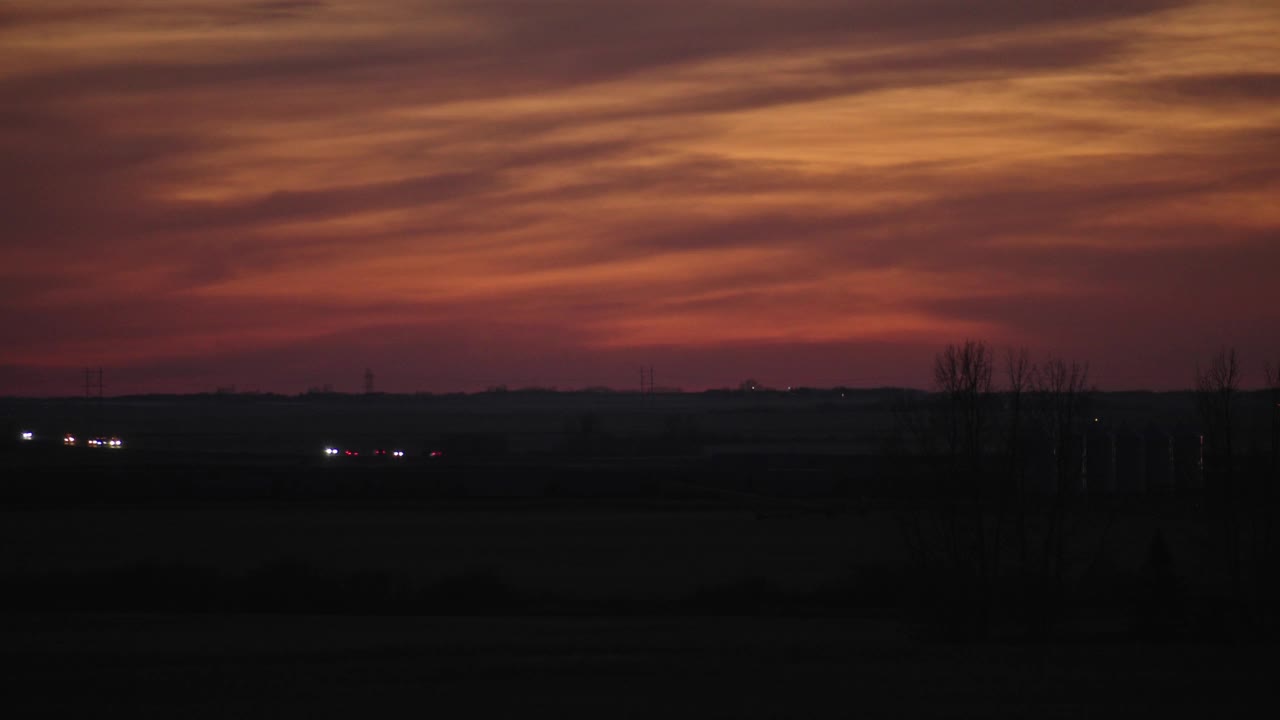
(592, 178)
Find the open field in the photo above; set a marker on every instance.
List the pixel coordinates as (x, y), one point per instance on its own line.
(539, 556)
(724, 559)
(325, 666)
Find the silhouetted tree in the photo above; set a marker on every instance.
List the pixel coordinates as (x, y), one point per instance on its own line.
(1217, 386)
(1020, 373)
(1267, 557)
(1216, 389)
(1273, 393)
(1060, 389)
(963, 374)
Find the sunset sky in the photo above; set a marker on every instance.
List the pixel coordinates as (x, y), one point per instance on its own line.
(464, 193)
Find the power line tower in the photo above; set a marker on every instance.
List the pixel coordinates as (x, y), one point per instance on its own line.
(646, 382)
(368, 381)
(93, 383)
(91, 415)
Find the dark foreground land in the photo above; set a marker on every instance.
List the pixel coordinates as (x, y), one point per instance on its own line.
(552, 609)
(626, 560)
(163, 665)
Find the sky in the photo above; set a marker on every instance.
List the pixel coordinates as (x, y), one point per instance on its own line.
(460, 194)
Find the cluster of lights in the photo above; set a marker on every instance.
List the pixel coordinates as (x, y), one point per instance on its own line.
(437, 453)
(70, 441)
(335, 452)
(27, 435)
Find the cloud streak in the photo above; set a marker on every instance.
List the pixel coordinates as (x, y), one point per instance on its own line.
(584, 181)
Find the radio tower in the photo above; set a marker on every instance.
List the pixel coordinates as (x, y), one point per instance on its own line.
(368, 381)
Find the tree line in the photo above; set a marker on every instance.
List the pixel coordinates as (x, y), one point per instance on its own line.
(1008, 552)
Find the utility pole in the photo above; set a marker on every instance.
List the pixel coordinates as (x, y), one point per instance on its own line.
(650, 379)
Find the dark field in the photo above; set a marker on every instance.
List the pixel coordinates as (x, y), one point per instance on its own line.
(544, 608)
(735, 558)
(326, 666)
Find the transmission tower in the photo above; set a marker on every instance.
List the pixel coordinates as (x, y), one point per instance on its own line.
(368, 381)
(93, 383)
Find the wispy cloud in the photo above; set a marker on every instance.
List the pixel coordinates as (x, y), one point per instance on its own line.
(207, 182)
